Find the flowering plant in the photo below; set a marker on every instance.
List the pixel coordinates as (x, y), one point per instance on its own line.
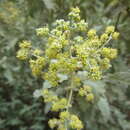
(71, 50)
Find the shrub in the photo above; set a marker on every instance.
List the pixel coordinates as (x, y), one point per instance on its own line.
(71, 50)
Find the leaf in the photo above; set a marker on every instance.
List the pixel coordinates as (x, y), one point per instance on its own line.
(121, 77)
(15, 122)
(82, 74)
(121, 119)
(46, 84)
(62, 77)
(104, 108)
(25, 110)
(49, 4)
(37, 93)
(9, 75)
(98, 86)
(47, 108)
(37, 127)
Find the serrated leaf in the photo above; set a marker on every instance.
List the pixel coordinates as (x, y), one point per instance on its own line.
(103, 106)
(98, 86)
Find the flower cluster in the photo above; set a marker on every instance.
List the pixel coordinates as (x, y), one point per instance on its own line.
(87, 92)
(70, 48)
(9, 13)
(23, 53)
(66, 121)
(49, 96)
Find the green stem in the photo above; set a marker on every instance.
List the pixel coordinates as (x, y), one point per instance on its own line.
(69, 99)
(109, 39)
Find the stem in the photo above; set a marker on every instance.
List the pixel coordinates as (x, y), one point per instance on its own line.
(117, 21)
(110, 37)
(69, 100)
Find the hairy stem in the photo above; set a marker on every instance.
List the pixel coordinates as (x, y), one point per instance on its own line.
(70, 98)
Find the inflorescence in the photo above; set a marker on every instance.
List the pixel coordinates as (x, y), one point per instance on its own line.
(70, 47)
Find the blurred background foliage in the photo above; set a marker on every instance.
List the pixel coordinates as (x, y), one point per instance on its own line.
(18, 21)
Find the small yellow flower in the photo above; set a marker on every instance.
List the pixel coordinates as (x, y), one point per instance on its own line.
(104, 37)
(22, 54)
(91, 33)
(75, 123)
(82, 92)
(60, 104)
(25, 44)
(37, 52)
(53, 123)
(90, 97)
(109, 53)
(110, 29)
(115, 35)
(65, 115)
(42, 31)
(88, 88)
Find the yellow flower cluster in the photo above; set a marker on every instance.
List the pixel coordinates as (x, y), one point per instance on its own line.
(37, 52)
(9, 12)
(37, 65)
(57, 104)
(25, 44)
(75, 123)
(66, 121)
(115, 35)
(74, 14)
(70, 48)
(62, 25)
(105, 63)
(95, 73)
(109, 53)
(52, 77)
(42, 31)
(49, 96)
(23, 53)
(60, 104)
(87, 92)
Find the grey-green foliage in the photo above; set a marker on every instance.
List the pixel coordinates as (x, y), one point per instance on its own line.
(18, 109)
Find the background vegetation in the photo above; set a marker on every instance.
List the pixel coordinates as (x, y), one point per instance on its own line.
(18, 21)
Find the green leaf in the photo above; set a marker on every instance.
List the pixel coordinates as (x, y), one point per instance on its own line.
(15, 122)
(49, 4)
(37, 127)
(62, 77)
(103, 106)
(46, 85)
(98, 86)
(25, 110)
(47, 107)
